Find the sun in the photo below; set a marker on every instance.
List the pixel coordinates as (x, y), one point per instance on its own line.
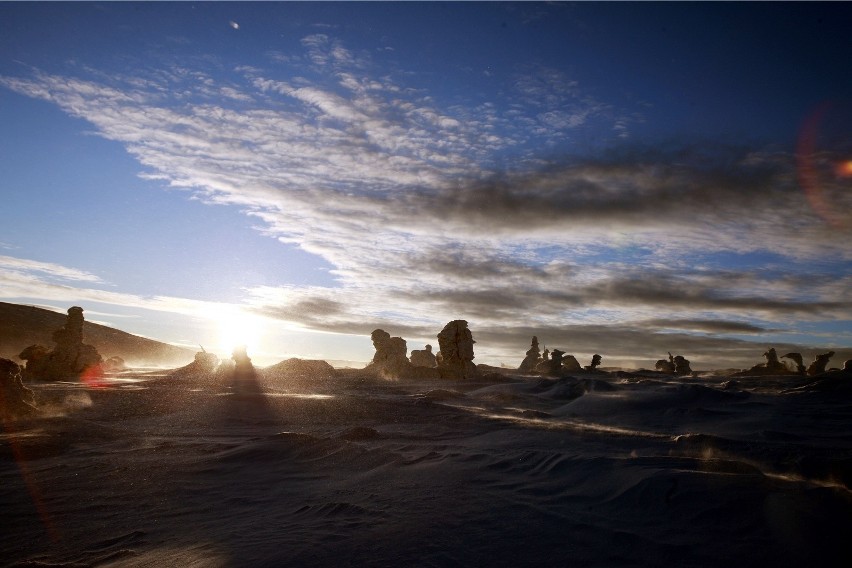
(236, 327)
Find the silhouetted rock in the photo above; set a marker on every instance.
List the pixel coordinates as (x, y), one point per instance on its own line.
(682, 365)
(797, 359)
(819, 363)
(16, 400)
(533, 357)
(666, 365)
(35, 357)
(677, 365)
(243, 379)
(772, 366)
(596, 361)
(70, 358)
(553, 366)
(570, 364)
(424, 358)
(455, 359)
(391, 362)
(203, 367)
(546, 354)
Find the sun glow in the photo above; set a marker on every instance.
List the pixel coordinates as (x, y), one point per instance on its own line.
(237, 327)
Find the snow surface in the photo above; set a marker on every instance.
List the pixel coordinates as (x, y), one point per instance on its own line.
(598, 470)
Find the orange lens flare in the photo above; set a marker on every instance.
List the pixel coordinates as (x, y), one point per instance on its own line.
(93, 377)
(844, 169)
(823, 176)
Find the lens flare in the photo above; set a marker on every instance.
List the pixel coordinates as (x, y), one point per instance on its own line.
(824, 164)
(844, 169)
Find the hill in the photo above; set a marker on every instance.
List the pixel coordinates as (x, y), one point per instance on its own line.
(21, 326)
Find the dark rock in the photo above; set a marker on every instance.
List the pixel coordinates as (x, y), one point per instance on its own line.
(69, 359)
(553, 367)
(596, 361)
(818, 365)
(455, 360)
(390, 360)
(533, 357)
(203, 367)
(772, 366)
(16, 400)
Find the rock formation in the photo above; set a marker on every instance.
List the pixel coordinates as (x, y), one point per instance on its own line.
(243, 378)
(456, 345)
(797, 359)
(596, 361)
(546, 355)
(553, 366)
(70, 358)
(819, 363)
(424, 357)
(390, 360)
(533, 357)
(570, 364)
(682, 365)
(300, 369)
(772, 366)
(16, 400)
(203, 367)
(666, 366)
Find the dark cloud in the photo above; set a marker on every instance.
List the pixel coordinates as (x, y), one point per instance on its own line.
(705, 325)
(641, 186)
(465, 265)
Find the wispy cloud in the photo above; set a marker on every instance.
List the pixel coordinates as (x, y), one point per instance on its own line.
(20, 266)
(404, 197)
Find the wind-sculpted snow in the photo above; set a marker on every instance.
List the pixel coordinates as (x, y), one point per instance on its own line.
(349, 469)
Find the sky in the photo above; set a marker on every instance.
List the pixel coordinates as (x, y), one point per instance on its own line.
(628, 179)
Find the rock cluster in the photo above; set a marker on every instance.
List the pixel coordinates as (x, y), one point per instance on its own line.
(16, 400)
(455, 360)
(677, 365)
(553, 366)
(772, 366)
(70, 358)
(424, 358)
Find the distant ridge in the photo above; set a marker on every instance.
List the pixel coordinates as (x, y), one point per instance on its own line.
(22, 326)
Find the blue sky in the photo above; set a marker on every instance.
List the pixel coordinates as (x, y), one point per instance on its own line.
(620, 178)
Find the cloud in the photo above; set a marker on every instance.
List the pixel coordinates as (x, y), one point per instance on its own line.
(21, 278)
(20, 266)
(431, 212)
